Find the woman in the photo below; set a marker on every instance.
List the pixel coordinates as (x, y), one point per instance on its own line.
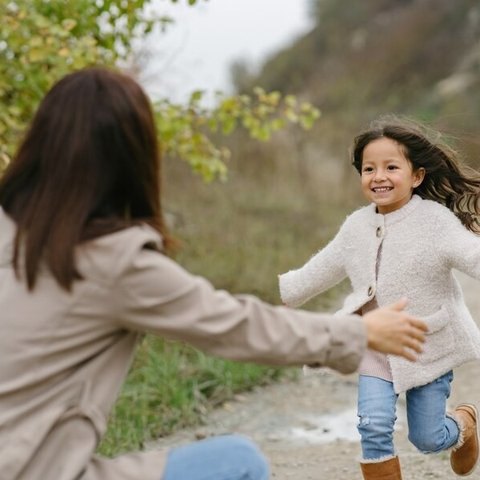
(83, 275)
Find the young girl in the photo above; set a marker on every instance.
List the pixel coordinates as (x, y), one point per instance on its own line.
(421, 223)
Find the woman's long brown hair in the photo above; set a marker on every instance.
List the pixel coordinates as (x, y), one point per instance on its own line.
(446, 181)
(89, 165)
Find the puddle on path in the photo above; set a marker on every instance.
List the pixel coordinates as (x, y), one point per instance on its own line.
(328, 428)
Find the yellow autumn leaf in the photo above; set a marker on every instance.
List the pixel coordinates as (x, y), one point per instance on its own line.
(69, 24)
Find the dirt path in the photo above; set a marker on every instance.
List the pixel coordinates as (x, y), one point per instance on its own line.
(307, 428)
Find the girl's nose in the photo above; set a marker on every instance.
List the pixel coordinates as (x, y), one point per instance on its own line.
(379, 176)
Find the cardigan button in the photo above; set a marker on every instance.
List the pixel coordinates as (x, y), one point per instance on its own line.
(370, 291)
(379, 232)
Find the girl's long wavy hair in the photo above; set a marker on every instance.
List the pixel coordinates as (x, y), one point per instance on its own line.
(89, 165)
(446, 181)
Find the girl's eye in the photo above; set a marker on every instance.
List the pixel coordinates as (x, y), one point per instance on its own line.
(367, 169)
(392, 167)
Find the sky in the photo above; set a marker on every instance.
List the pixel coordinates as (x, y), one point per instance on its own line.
(196, 52)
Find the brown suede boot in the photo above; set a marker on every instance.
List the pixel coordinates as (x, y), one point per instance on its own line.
(464, 458)
(386, 470)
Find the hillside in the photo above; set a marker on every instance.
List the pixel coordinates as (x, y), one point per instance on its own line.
(415, 57)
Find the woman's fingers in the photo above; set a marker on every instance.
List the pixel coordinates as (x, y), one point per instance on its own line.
(390, 330)
(418, 324)
(413, 343)
(407, 354)
(416, 331)
(415, 337)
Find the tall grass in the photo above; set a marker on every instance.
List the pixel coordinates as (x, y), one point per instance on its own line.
(172, 386)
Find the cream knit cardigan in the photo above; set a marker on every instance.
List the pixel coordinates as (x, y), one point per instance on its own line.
(407, 253)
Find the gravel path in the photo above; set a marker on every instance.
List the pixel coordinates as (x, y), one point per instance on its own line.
(307, 428)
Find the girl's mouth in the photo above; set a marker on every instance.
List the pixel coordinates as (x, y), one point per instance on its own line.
(381, 189)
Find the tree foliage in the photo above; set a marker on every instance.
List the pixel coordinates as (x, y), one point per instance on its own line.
(184, 130)
(42, 40)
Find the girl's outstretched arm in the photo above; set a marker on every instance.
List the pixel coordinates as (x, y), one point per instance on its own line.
(321, 272)
(458, 247)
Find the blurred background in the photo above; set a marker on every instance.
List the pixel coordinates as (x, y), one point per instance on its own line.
(282, 199)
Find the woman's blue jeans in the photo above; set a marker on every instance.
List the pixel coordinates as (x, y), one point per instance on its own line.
(430, 429)
(226, 457)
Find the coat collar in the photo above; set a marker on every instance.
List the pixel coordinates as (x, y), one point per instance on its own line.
(378, 219)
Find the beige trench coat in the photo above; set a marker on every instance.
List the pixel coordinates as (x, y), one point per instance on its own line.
(64, 356)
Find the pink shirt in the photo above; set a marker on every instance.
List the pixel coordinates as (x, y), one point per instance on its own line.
(374, 364)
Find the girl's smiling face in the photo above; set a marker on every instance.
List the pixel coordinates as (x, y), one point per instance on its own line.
(387, 175)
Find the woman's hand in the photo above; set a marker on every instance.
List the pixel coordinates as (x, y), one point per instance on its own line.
(390, 330)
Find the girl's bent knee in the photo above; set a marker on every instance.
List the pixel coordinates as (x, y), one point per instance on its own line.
(426, 443)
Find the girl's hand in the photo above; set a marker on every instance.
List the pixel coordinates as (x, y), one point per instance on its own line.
(390, 330)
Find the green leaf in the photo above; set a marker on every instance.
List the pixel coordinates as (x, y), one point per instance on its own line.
(196, 96)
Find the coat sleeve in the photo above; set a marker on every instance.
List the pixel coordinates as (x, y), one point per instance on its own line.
(324, 270)
(156, 295)
(457, 246)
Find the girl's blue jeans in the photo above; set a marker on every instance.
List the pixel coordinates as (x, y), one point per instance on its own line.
(430, 429)
(226, 457)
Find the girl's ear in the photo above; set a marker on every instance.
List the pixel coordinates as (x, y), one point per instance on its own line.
(419, 175)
